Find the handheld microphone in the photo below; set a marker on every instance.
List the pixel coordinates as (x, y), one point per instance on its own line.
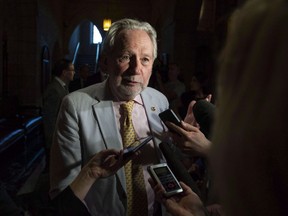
(204, 112)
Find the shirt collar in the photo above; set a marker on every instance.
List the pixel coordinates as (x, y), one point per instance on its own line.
(138, 99)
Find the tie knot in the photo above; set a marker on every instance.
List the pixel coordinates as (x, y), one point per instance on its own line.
(128, 106)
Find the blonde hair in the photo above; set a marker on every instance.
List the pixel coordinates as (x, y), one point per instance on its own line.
(250, 151)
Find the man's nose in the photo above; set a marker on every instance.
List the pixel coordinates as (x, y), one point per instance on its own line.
(135, 64)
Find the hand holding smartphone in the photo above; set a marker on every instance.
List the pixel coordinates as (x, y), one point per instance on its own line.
(170, 116)
(129, 151)
(162, 174)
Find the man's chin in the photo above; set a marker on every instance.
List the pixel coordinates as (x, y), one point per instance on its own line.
(129, 93)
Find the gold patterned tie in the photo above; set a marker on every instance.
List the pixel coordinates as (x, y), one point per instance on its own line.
(135, 185)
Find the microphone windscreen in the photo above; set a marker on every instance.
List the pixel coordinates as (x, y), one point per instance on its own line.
(169, 151)
(204, 113)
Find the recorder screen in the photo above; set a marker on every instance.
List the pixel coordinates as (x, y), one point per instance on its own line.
(166, 178)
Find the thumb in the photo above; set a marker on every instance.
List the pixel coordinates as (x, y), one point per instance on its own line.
(189, 115)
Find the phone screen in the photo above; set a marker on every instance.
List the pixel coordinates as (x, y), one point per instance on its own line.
(169, 115)
(133, 149)
(166, 178)
(162, 174)
(138, 147)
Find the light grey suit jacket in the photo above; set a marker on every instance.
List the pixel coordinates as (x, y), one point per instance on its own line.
(86, 124)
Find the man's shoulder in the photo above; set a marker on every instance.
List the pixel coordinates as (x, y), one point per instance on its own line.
(53, 86)
(87, 94)
(154, 97)
(153, 92)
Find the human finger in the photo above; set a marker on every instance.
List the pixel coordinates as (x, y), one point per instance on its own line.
(188, 127)
(209, 97)
(186, 188)
(176, 128)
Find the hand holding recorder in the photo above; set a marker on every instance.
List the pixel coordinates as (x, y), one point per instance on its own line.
(185, 203)
(162, 175)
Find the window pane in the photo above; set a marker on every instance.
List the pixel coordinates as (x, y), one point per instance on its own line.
(97, 38)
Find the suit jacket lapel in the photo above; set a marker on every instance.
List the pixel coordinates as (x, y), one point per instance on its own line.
(106, 119)
(150, 105)
(107, 122)
(152, 110)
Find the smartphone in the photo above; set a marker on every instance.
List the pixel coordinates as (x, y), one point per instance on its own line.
(169, 115)
(162, 174)
(129, 151)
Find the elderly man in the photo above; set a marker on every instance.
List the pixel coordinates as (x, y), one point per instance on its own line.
(104, 115)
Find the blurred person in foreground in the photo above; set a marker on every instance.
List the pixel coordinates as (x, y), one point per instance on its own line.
(249, 151)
